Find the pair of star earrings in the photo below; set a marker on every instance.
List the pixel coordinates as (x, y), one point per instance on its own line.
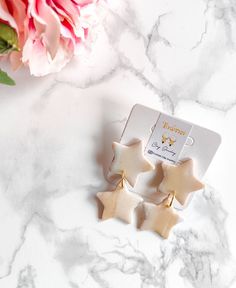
(178, 182)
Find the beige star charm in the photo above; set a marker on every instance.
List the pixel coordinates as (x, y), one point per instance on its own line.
(180, 179)
(119, 203)
(130, 161)
(160, 218)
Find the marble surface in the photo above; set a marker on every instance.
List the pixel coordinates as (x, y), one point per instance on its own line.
(56, 134)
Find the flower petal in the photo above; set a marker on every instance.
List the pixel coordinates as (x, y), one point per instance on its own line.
(44, 15)
(36, 56)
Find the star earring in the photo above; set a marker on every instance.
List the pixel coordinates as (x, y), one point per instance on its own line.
(180, 179)
(160, 218)
(119, 203)
(130, 160)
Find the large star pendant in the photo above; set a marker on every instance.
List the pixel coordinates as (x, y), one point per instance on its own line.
(119, 203)
(159, 218)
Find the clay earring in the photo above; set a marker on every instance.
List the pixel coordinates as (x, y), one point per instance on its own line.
(180, 178)
(160, 218)
(119, 203)
(130, 160)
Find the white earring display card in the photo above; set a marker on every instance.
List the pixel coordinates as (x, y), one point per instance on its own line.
(169, 139)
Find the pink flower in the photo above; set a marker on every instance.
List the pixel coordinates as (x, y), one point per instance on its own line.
(50, 31)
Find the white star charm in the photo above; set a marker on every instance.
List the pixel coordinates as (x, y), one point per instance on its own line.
(119, 203)
(180, 179)
(130, 161)
(160, 218)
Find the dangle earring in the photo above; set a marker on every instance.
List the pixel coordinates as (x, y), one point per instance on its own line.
(128, 162)
(162, 217)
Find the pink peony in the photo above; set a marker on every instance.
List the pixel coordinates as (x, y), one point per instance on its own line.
(50, 32)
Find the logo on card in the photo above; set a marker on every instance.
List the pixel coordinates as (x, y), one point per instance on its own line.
(167, 140)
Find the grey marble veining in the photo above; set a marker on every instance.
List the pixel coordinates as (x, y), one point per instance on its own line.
(56, 134)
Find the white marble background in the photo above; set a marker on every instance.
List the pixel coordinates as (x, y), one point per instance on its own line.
(56, 132)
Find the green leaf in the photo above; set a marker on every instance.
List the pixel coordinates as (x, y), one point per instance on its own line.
(5, 79)
(8, 39)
